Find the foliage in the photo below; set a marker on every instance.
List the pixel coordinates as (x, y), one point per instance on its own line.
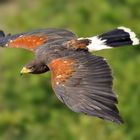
(29, 109)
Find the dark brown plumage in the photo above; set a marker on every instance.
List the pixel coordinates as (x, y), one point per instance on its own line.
(80, 80)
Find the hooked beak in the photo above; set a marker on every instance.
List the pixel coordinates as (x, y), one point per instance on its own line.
(25, 71)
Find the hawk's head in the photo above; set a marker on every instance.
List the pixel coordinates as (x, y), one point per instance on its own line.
(34, 67)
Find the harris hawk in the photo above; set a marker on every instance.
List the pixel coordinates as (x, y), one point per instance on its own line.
(80, 80)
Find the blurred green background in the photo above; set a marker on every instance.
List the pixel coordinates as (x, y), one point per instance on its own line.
(29, 110)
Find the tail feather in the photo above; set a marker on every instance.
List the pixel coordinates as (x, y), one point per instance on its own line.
(118, 37)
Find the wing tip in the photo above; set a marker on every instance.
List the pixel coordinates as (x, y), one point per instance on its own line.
(2, 38)
(2, 34)
(112, 117)
(118, 120)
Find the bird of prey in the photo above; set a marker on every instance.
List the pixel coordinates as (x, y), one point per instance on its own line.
(80, 80)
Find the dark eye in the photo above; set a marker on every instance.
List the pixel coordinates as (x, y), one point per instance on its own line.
(31, 67)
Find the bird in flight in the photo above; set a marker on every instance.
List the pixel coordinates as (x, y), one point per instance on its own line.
(80, 80)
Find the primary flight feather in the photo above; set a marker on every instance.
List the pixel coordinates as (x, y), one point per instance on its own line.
(80, 80)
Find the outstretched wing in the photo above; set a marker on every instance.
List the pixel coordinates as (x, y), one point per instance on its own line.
(33, 40)
(84, 83)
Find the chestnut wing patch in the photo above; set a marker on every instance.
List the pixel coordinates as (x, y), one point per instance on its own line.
(29, 42)
(62, 69)
(78, 44)
(84, 84)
